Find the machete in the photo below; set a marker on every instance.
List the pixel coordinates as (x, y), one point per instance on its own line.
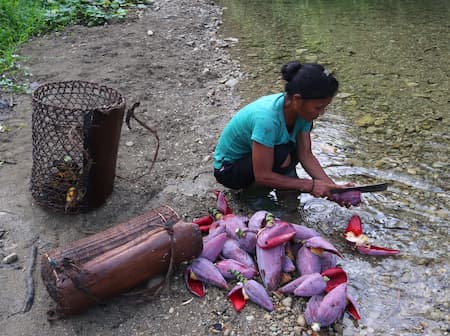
(363, 189)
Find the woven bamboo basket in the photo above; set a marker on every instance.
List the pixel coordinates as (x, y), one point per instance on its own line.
(76, 129)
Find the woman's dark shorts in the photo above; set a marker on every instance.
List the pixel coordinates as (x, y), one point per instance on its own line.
(239, 174)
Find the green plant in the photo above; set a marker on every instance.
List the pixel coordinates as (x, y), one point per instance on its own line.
(21, 19)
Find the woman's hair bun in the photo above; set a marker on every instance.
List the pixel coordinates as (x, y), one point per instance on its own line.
(289, 70)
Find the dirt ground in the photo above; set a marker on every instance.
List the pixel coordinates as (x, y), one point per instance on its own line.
(171, 59)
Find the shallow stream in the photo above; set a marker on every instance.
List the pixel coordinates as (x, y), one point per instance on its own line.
(389, 123)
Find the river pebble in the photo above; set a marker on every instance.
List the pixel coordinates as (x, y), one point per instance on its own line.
(287, 302)
(11, 258)
(301, 320)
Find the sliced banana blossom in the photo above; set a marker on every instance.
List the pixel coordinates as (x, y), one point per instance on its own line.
(354, 234)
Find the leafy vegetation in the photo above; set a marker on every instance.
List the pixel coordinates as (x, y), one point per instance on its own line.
(21, 19)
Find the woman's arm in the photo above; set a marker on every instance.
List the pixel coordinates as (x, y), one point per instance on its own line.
(308, 160)
(262, 158)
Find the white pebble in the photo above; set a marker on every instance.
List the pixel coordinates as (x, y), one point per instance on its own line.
(287, 302)
(11, 258)
(129, 143)
(301, 320)
(150, 32)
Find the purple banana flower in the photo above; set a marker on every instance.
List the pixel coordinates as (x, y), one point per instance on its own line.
(352, 197)
(257, 221)
(232, 250)
(194, 286)
(319, 244)
(332, 277)
(227, 265)
(291, 286)
(308, 262)
(234, 226)
(248, 240)
(204, 270)
(288, 266)
(250, 290)
(328, 261)
(312, 284)
(303, 232)
(213, 247)
(311, 308)
(258, 294)
(332, 306)
(276, 234)
(270, 264)
(219, 228)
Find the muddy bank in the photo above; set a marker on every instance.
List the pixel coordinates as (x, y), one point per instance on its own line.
(170, 59)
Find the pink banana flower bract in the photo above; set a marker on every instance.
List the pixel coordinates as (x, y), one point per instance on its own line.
(354, 234)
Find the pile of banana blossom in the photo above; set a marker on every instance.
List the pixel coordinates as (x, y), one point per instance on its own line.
(265, 254)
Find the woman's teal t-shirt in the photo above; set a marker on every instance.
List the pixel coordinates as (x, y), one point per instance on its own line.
(261, 121)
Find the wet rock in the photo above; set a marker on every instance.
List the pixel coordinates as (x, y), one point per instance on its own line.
(365, 121)
(371, 129)
(343, 95)
(438, 164)
(231, 39)
(378, 122)
(11, 258)
(311, 58)
(232, 82)
(301, 51)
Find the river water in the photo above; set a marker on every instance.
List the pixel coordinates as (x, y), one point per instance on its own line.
(389, 123)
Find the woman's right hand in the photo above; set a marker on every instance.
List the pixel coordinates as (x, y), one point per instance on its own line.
(323, 189)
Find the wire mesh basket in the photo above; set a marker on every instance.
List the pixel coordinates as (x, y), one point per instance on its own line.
(76, 129)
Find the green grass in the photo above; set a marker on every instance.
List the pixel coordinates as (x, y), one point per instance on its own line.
(21, 19)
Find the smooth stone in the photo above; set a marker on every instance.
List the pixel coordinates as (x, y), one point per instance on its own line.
(301, 51)
(311, 58)
(301, 320)
(11, 258)
(231, 82)
(366, 120)
(343, 95)
(129, 143)
(438, 164)
(287, 302)
(371, 129)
